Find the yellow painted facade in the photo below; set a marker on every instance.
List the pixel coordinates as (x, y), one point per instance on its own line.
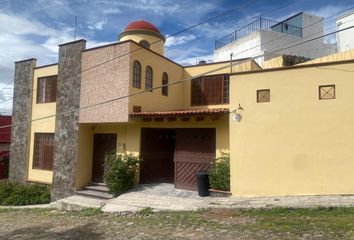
(41, 111)
(155, 101)
(277, 62)
(341, 56)
(295, 144)
(85, 149)
(128, 140)
(156, 44)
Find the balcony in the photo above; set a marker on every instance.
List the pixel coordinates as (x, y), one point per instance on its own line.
(259, 24)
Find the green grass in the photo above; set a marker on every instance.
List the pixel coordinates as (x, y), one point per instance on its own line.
(89, 212)
(146, 211)
(334, 223)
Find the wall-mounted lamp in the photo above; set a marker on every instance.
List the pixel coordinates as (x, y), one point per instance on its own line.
(235, 114)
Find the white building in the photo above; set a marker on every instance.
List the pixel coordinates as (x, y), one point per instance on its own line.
(345, 39)
(270, 38)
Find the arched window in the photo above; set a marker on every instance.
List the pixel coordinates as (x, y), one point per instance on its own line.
(136, 74)
(148, 78)
(144, 43)
(164, 89)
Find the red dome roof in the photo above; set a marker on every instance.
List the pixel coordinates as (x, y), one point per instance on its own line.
(141, 25)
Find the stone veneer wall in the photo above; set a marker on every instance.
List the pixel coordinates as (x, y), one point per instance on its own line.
(105, 82)
(67, 119)
(21, 112)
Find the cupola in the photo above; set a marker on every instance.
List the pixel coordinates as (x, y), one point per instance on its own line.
(144, 33)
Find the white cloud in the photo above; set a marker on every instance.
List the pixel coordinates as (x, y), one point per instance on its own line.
(178, 40)
(98, 25)
(328, 10)
(188, 55)
(23, 38)
(111, 11)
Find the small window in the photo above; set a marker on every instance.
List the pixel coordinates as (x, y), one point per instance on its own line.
(263, 95)
(136, 74)
(327, 92)
(148, 78)
(43, 151)
(164, 89)
(47, 89)
(144, 43)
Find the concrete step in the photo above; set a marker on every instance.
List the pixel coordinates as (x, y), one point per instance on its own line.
(135, 200)
(76, 203)
(99, 188)
(157, 204)
(94, 194)
(97, 184)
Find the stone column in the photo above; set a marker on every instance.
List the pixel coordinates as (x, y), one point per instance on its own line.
(67, 119)
(21, 120)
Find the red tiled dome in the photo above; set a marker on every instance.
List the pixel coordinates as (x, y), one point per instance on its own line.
(141, 25)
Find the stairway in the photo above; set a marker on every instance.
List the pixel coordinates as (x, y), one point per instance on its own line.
(95, 190)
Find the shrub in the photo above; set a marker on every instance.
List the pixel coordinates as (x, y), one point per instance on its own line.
(289, 60)
(120, 172)
(219, 173)
(14, 194)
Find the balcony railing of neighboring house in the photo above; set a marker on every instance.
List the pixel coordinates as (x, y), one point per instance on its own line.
(261, 23)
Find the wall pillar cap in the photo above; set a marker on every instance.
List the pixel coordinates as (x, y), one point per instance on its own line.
(26, 60)
(72, 42)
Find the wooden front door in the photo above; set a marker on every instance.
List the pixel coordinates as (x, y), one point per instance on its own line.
(157, 149)
(195, 150)
(103, 144)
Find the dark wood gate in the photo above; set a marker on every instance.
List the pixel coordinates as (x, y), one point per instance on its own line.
(103, 144)
(195, 150)
(157, 149)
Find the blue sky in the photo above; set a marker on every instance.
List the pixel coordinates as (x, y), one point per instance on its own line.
(34, 28)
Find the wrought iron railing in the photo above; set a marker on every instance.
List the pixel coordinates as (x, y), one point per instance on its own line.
(261, 23)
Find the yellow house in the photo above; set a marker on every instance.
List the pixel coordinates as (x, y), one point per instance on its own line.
(128, 98)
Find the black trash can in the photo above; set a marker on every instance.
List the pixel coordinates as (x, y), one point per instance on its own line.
(203, 183)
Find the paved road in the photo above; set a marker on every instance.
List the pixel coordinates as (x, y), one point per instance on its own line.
(39, 224)
(52, 224)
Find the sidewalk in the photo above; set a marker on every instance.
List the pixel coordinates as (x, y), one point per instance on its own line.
(166, 197)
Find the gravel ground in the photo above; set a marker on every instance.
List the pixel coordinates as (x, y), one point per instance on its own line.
(208, 224)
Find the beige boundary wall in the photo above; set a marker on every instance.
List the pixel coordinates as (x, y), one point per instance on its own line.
(295, 144)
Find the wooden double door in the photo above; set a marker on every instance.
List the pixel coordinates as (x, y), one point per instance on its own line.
(175, 155)
(103, 145)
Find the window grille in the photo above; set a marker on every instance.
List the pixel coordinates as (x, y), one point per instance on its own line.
(43, 151)
(164, 89)
(148, 78)
(136, 74)
(210, 90)
(47, 89)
